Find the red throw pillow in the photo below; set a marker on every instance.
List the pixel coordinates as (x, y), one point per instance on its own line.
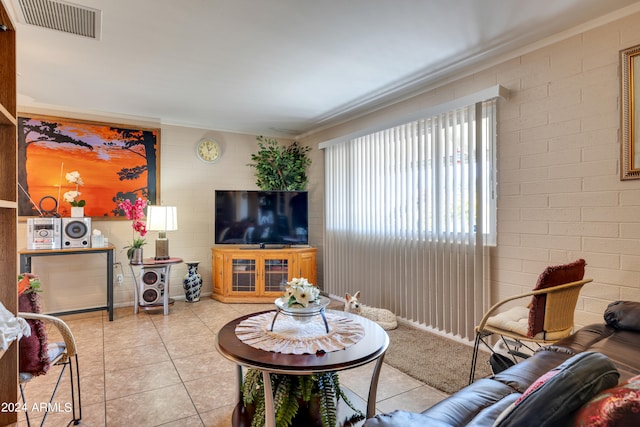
(614, 407)
(551, 276)
(34, 357)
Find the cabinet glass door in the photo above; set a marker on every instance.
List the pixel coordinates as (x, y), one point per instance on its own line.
(276, 274)
(243, 278)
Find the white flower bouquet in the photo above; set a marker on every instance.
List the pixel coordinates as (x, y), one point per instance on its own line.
(299, 292)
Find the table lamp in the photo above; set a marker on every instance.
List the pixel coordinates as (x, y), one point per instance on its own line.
(162, 219)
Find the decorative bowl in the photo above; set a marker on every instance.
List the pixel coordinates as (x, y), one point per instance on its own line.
(299, 312)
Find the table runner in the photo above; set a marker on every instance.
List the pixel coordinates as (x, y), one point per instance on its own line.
(290, 336)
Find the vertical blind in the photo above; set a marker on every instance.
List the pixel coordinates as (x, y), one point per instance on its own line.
(409, 211)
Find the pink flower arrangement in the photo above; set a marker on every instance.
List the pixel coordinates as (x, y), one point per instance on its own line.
(135, 212)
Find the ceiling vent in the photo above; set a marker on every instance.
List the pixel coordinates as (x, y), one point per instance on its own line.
(62, 16)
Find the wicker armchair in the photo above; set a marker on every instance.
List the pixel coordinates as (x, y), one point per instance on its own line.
(559, 307)
(63, 354)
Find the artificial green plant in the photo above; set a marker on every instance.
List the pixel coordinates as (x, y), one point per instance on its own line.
(290, 391)
(280, 167)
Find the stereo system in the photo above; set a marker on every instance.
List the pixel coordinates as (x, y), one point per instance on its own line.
(76, 232)
(58, 233)
(153, 281)
(44, 233)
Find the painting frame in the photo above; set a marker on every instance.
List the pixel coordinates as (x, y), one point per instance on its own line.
(630, 125)
(115, 161)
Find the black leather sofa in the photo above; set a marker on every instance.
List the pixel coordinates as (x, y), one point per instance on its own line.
(482, 402)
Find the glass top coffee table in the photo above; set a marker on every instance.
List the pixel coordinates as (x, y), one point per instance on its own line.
(371, 347)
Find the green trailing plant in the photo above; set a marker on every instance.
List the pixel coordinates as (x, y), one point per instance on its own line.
(280, 167)
(28, 283)
(291, 393)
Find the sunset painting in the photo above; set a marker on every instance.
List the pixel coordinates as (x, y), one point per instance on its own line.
(114, 162)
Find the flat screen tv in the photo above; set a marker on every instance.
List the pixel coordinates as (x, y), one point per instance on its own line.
(261, 217)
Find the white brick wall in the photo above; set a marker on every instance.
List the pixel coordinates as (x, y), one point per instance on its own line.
(564, 197)
(560, 195)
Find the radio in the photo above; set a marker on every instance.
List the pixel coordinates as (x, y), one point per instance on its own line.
(76, 232)
(44, 233)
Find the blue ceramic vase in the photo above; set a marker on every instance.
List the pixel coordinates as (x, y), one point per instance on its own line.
(192, 283)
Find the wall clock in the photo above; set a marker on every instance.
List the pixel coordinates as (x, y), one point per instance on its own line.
(208, 150)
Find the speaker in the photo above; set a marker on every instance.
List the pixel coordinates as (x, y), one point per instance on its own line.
(76, 232)
(152, 285)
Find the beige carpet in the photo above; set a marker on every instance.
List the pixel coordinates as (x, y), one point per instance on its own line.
(437, 361)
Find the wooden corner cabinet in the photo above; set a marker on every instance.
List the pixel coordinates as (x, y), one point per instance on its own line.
(8, 207)
(258, 275)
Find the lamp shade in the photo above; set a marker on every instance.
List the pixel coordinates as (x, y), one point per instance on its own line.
(162, 218)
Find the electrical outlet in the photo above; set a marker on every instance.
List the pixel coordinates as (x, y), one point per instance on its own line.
(119, 278)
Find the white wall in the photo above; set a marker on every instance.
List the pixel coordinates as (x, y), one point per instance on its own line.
(78, 281)
(560, 195)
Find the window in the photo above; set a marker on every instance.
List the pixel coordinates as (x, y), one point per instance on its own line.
(417, 180)
(409, 212)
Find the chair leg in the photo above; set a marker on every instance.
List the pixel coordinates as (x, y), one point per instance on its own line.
(514, 349)
(76, 419)
(75, 386)
(53, 395)
(474, 357)
(24, 402)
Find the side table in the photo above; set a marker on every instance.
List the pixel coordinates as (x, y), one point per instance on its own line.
(369, 349)
(152, 289)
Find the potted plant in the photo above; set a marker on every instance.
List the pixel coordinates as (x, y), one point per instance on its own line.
(135, 212)
(72, 196)
(310, 400)
(280, 167)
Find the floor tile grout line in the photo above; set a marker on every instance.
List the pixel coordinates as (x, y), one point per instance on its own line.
(207, 318)
(195, 407)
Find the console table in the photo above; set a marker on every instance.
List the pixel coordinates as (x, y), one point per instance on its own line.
(25, 267)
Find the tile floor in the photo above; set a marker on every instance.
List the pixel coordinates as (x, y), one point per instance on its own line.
(154, 370)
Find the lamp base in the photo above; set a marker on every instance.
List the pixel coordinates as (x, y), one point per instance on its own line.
(162, 249)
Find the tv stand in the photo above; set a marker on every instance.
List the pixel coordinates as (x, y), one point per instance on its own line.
(250, 274)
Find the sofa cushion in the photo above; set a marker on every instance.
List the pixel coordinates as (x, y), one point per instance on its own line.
(555, 396)
(458, 409)
(614, 407)
(488, 415)
(623, 315)
(463, 406)
(520, 376)
(623, 348)
(551, 276)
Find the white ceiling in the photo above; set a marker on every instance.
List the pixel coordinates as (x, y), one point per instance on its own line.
(275, 67)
